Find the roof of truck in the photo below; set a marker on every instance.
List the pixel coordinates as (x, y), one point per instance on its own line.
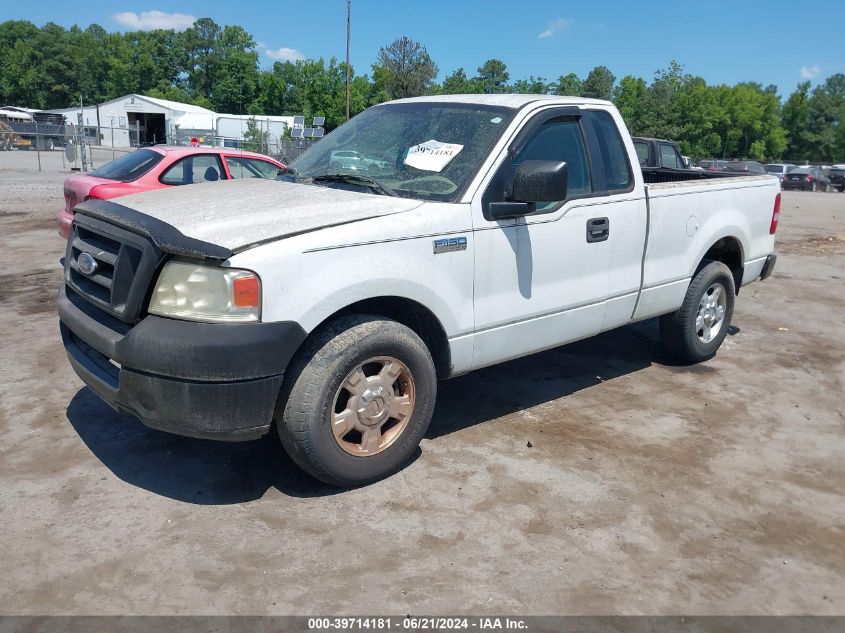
(503, 100)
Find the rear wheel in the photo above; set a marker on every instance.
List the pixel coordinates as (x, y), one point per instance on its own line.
(357, 400)
(697, 329)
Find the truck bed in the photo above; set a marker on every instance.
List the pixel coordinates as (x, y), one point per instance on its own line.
(686, 217)
(655, 175)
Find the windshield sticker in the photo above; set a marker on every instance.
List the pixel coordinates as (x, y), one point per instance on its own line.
(432, 155)
(496, 119)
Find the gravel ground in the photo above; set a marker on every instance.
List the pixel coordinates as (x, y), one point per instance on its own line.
(647, 488)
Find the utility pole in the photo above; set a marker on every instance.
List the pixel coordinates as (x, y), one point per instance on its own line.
(348, 20)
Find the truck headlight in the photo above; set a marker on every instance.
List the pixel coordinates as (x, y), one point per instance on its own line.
(206, 293)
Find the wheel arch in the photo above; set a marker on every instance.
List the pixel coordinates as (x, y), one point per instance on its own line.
(729, 251)
(413, 315)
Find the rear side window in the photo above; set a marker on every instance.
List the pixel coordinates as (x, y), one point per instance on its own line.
(642, 152)
(242, 167)
(193, 169)
(561, 139)
(617, 169)
(130, 166)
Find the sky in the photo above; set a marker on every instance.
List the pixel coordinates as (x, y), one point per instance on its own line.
(771, 42)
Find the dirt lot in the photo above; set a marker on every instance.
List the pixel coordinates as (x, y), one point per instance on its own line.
(646, 488)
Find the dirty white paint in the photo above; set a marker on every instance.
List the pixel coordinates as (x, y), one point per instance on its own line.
(237, 213)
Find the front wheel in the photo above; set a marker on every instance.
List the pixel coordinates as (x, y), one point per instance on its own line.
(697, 329)
(357, 400)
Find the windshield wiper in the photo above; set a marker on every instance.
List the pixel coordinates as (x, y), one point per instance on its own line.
(356, 179)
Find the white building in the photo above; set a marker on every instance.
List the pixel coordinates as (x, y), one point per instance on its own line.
(125, 121)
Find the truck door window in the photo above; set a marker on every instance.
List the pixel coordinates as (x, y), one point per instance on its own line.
(561, 139)
(669, 157)
(617, 169)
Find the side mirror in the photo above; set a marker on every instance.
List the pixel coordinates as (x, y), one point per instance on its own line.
(540, 181)
(534, 181)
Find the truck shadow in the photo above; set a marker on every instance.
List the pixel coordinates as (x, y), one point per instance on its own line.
(186, 469)
(520, 384)
(219, 473)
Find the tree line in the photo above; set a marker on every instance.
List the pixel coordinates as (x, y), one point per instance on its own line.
(218, 67)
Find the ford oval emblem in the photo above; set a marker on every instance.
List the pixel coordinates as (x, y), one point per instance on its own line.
(86, 263)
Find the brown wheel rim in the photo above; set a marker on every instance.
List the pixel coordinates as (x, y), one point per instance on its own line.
(373, 406)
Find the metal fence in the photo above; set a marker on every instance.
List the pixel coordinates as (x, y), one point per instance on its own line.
(67, 147)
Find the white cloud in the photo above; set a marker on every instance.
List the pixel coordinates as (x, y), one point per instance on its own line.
(149, 20)
(810, 72)
(554, 26)
(284, 54)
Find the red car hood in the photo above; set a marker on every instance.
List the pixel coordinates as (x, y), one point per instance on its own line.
(78, 186)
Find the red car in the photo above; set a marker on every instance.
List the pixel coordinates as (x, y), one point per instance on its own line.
(159, 167)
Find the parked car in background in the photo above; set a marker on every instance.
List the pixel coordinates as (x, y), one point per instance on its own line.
(749, 167)
(713, 164)
(159, 167)
(657, 152)
(837, 177)
(779, 169)
(806, 179)
(689, 163)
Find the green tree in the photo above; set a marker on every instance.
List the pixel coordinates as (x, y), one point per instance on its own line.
(532, 85)
(458, 83)
(493, 76)
(826, 114)
(201, 44)
(408, 67)
(631, 97)
(568, 85)
(599, 84)
(255, 138)
(237, 82)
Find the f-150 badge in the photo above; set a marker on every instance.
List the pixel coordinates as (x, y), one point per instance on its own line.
(449, 244)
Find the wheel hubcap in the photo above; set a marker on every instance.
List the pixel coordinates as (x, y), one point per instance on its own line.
(373, 406)
(711, 313)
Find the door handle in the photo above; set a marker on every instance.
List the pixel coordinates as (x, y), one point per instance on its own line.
(598, 229)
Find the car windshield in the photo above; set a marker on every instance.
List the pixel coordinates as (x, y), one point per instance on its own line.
(800, 170)
(129, 167)
(774, 169)
(426, 150)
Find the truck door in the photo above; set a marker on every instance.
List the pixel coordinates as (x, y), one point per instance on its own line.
(627, 212)
(540, 280)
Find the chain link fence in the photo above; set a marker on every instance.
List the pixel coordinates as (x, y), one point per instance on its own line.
(49, 147)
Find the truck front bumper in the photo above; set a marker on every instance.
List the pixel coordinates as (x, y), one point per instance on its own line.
(206, 380)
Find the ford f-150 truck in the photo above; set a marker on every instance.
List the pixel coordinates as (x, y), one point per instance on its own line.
(475, 229)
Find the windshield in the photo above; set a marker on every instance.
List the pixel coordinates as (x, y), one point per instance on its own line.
(775, 169)
(801, 170)
(429, 151)
(129, 167)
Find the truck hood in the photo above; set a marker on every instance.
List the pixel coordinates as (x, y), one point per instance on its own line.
(238, 214)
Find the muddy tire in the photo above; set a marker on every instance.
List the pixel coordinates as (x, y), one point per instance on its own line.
(357, 400)
(697, 329)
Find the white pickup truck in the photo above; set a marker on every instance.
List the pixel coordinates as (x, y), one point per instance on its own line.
(424, 239)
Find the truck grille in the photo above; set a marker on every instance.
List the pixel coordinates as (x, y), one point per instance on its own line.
(123, 266)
